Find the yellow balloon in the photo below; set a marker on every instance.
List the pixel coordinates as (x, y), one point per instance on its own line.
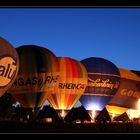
(72, 83)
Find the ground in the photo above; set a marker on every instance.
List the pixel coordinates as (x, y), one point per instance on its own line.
(39, 127)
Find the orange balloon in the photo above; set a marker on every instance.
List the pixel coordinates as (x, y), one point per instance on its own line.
(128, 93)
(9, 65)
(72, 83)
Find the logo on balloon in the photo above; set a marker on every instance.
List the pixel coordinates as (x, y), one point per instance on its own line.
(8, 69)
(75, 84)
(130, 93)
(41, 82)
(72, 86)
(103, 83)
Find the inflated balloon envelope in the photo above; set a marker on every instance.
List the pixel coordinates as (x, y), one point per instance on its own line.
(9, 65)
(103, 83)
(38, 75)
(72, 83)
(128, 93)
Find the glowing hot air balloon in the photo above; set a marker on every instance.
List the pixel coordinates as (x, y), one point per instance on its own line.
(103, 83)
(72, 83)
(115, 111)
(38, 75)
(129, 90)
(9, 65)
(128, 93)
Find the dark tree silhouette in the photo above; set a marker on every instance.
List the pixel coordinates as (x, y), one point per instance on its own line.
(6, 105)
(48, 112)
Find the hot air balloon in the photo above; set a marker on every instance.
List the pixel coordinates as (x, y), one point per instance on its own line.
(72, 83)
(9, 65)
(103, 83)
(128, 93)
(115, 111)
(38, 75)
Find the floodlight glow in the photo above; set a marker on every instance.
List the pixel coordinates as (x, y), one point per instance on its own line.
(93, 114)
(133, 113)
(138, 103)
(93, 107)
(62, 114)
(113, 115)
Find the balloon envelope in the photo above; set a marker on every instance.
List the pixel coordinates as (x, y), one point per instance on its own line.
(103, 82)
(72, 83)
(38, 75)
(9, 65)
(129, 91)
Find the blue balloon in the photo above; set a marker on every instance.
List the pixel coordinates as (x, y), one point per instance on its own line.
(103, 83)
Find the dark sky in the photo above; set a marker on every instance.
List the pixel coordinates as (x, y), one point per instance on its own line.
(111, 33)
